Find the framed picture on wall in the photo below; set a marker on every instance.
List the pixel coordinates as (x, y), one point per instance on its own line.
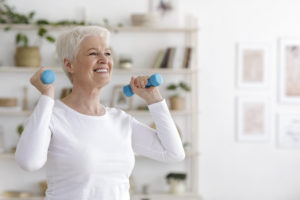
(252, 118)
(289, 71)
(119, 100)
(253, 65)
(288, 130)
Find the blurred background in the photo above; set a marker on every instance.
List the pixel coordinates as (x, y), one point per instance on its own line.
(234, 67)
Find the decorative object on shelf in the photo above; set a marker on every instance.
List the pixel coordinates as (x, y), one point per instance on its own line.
(43, 187)
(176, 182)
(125, 62)
(146, 189)
(177, 102)
(144, 19)
(65, 92)
(165, 6)
(25, 98)
(8, 102)
(25, 55)
(16, 194)
(119, 100)
(29, 56)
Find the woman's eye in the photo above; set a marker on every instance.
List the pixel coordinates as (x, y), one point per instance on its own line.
(107, 54)
(93, 54)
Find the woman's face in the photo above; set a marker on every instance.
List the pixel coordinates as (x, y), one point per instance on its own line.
(93, 63)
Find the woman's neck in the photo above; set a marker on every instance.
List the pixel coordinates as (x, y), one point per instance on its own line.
(86, 101)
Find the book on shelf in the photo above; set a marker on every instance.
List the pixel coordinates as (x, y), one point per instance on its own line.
(187, 57)
(159, 58)
(173, 57)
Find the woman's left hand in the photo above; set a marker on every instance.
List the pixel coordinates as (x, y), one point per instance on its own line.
(150, 94)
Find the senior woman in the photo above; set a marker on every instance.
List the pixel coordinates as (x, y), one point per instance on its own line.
(89, 148)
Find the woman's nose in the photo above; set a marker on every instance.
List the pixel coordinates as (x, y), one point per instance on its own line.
(102, 59)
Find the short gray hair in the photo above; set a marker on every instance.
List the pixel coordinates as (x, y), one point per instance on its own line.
(67, 44)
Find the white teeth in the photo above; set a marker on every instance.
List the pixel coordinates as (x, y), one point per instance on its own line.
(101, 70)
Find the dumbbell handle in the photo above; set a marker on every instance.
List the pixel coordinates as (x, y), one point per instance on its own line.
(154, 80)
(48, 76)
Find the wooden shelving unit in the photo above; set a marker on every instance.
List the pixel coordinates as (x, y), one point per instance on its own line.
(191, 34)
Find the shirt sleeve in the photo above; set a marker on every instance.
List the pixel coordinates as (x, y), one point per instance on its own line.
(32, 148)
(164, 143)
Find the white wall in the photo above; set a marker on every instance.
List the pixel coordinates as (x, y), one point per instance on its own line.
(232, 170)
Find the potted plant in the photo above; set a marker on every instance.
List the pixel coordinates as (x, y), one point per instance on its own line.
(29, 56)
(177, 101)
(176, 182)
(25, 55)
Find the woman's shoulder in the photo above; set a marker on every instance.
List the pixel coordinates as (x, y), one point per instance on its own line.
(113, 111)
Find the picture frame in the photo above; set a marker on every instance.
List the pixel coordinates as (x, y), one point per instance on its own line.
(289, 70)
(253, 65)
(253, 118)
(288, 130)
(119, 100)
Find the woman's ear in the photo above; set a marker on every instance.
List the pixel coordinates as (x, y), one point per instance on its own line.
(68, 65)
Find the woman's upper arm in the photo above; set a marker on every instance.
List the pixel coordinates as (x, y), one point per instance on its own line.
(32, 148)
(162, 143)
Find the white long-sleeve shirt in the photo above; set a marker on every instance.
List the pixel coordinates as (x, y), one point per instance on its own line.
(92, 157)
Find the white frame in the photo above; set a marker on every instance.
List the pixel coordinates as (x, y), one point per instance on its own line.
(261, 136)
(241, 48)
(283, 43)
(291, 139)
(117, 91)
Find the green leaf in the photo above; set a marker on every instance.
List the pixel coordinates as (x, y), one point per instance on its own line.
(20, 129)
(18, 38)
(31, 14)
(184, 86)
(42, 31)
(7, 28)
(172, 87)
(50, 38)
(41, 22)
(25, 40)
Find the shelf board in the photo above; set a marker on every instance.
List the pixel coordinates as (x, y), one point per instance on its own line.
(23, 198)
(139, 196)
(188, 155)
(174, 113)
(7, 155)
(132, 112)
(113, 29)
(166, 195)
(15, 113)
(115, 70)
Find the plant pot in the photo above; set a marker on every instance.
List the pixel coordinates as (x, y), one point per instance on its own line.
(177, 103)
(176, 186)
(28, 56)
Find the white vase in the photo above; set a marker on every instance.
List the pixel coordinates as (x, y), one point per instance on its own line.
(176, 186)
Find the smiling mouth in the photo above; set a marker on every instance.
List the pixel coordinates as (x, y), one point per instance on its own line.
(101, 70)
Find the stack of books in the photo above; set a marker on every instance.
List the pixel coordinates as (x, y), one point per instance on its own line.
(173, 57)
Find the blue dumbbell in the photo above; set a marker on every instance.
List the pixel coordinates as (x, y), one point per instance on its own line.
(48, 77)
(154, 80)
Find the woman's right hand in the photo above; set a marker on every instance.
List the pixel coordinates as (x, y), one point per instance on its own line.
(45, 89)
